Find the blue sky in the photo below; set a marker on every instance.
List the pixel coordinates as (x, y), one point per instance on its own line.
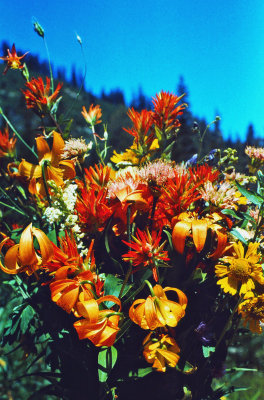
(217, 46)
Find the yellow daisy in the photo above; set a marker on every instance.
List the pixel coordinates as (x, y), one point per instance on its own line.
(252, 311)
(241, 271)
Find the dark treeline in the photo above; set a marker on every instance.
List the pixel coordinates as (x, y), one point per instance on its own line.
(114, 107)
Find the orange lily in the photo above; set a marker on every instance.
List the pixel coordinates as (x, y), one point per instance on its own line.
(187, 224)
(157, 311)
(13, 60)
(161, 351)
(22, 257)
(56, 169)
(99, 326)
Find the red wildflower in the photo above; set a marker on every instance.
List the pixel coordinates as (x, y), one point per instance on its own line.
(7, 145)
(92, 117)
(142, 123)
(13, 60)
(147, 251)
(37, 95)
(203, 173)
(93, 210)
(166, 111)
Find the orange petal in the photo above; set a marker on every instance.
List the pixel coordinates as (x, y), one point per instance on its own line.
(221, 245)
(27, 254)
(10, 263)
(57, 148)
(180, 232)
(29, 170)
(42, 148)
(199, 232)
(68, 299)
(182, 297)
(89, 309)
(67, 166)
(46, 248)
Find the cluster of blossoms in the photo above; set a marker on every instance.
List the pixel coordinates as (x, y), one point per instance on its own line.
(145, 224)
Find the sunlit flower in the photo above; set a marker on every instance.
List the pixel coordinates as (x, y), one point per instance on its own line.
(256, 153)
(157, 173)
(23, 257)
(157, 311)
(38, 97)
(99, 326)
(190, 225)
(142, 123)
(92, 117)
(161, 351)
(147, 251)
(98, 176)
(55, 169)
(7, 145)
(239, 272)
(252, 312)
(13, 60)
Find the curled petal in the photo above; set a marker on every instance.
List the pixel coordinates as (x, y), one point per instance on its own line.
(27, 254)
(46, 248)
(182, 297)
(57, 148)
(29, 170)
(89, 310)
(10, 262)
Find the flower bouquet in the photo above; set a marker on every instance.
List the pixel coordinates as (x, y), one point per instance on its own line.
(128, 274)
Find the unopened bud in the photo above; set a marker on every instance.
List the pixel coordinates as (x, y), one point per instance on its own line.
(217, 118)
(38, 28)
(78, 38)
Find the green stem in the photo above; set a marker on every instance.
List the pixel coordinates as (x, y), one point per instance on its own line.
(129, 240)
(50, 69)
(202, 138)
(43, 167)
(10, 199)
(13, 208)
(17, 134)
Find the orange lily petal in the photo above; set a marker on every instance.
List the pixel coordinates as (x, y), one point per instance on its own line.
(180, 232)
(11, 266)
(29, 170)
(57, 148)
(68, 169)
(89, 310)
(221, 245)
(46, 248)
(199, 232)
(42, 148)
(27, 252)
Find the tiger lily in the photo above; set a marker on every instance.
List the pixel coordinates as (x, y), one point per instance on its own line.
(157, 311)
(188, 225)
(99, 326)
(23, 257)
(50, 163)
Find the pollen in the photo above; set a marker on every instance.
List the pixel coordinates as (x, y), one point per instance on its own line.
(240, 269)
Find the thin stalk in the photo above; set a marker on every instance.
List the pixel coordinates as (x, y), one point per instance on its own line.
(50, 69)
(202, 138)
(17, 134)
(56, 124)
(155, 200)
(97, 147)
(9, 198)
(13, 208)
(130, 263)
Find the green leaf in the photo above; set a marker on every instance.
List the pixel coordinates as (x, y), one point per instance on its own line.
(106, 362)
(112, 286)
(199, 275)
(250, 195)
(238, 235)
(26, 316)
(231, 213)
(141, 372)
(207, 350)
